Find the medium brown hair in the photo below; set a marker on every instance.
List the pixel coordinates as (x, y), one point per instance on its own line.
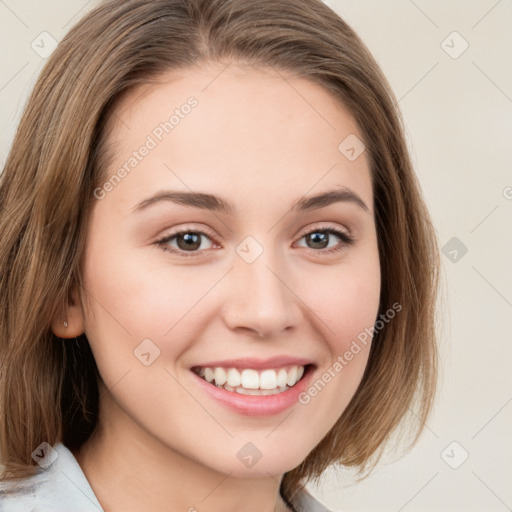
(60, 154)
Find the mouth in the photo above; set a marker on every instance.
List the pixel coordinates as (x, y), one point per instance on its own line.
(251, 381)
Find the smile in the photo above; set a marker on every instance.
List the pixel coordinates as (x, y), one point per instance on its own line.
(249, 381)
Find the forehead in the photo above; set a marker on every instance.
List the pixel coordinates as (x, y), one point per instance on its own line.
(252, 131)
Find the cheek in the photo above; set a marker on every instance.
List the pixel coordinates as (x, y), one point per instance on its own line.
(135, 296)
(345, 299)
(350, 308)
(345, 302)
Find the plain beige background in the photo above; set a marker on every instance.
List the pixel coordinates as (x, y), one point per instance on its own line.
(455, 92)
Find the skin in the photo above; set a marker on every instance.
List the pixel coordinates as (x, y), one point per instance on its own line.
(262, 142)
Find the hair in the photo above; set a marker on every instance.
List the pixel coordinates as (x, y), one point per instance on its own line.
(60, 154)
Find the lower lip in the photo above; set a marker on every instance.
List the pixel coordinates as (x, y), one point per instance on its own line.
(256, 405)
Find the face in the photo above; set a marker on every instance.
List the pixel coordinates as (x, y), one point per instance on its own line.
(249, 282)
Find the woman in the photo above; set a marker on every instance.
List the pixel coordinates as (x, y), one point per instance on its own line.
(218, 275)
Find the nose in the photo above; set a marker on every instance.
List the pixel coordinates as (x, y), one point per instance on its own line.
(260, 298)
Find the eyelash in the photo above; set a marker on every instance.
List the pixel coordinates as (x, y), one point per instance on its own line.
(346, 241)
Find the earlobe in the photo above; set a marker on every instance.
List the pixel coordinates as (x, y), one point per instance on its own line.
(68, 322)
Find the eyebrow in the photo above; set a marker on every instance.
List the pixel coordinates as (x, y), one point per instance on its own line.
(214, 203)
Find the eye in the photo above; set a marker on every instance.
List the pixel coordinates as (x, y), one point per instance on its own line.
(188, 241)
(319, 238)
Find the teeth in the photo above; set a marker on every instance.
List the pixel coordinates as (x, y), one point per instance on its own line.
(234, 379)
(268, 379)
(250, 379)
(292, 376)
(220, 376)
(282, 377)
(243, 391)
(253, 382)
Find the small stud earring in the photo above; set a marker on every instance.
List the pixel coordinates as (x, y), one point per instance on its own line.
(65, 323)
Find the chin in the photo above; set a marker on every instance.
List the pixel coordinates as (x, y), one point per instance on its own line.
(252, 462)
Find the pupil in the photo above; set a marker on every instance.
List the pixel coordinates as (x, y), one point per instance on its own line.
(192, 241)
(320, 238)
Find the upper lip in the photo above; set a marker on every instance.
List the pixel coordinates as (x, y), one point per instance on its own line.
(256, 363)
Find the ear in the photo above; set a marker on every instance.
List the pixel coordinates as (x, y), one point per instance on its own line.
(73, 315)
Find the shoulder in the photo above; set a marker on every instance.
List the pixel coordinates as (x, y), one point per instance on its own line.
(60, 486)
(305, 502)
